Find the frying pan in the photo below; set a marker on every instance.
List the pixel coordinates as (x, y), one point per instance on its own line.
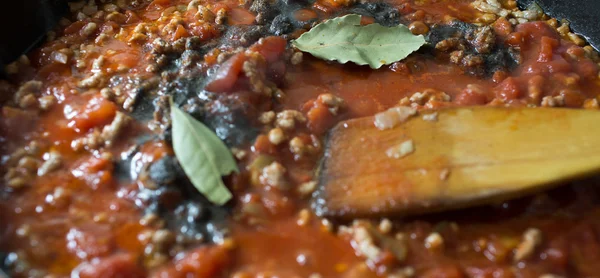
(24, 24)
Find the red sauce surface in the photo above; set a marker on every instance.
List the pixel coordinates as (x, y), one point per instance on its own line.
(84, 217)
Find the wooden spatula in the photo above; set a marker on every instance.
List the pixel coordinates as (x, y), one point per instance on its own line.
(468, 156)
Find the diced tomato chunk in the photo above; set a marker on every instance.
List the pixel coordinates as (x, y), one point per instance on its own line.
(547, 47)
(74, 27)
(97, 112)
(96, 164)
(507, 90)
(263, 145)
(499, 75)
(115, 266)
(95, 172)
(468, 97)
(537, 29)
(576, 52)
(587, 69)
(227, 75)
(502, 27)
(219, 6)
(271, 48)
(572, 98)
(304, 15)
(516, 39)
(203, 31)
(180, 32)
(129, 59)
(210, 58)
(319, 118)
(239, 16)
(366, 20)
(204, 262)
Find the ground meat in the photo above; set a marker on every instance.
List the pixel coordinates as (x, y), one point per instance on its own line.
(483, 39)
(334, 103)
(267, 117)
(365, 243)
(91, 141)
(553, 101)
(53, 162)
(287, 119)
(495, 7)
(257, 78)
(531, 239)
(373, 244)
(111, 131)
(472, 48)
(274, 175)
(276, 136)
(297, 146)
(26, 94)
(46, 102)
(176, 53)
(296, 58)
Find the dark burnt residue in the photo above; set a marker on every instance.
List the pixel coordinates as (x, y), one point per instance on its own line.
(243, 35)
(278, 16)
(229, 117)
(473, 48)
(169, 196)
(383, 13)
(185, 210)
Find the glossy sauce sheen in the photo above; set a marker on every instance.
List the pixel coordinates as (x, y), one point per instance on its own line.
(92, 224)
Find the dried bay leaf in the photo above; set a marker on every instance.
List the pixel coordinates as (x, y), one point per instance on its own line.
(202, 155)
(343, 39)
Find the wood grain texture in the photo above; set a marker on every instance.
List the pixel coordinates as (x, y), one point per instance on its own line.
(491, 154)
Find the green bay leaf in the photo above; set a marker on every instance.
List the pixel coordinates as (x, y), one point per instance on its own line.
(343, 39)
(202, 155)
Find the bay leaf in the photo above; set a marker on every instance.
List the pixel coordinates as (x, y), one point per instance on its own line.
(202, 155)
(343, 39)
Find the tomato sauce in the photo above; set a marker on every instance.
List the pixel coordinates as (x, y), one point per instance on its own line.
(89, 189)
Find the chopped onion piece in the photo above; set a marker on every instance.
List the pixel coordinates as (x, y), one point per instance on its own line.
(433, 117)
(403, 149)
(393, 116)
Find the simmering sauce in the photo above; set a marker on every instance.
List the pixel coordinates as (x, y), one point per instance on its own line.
(91, 186)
